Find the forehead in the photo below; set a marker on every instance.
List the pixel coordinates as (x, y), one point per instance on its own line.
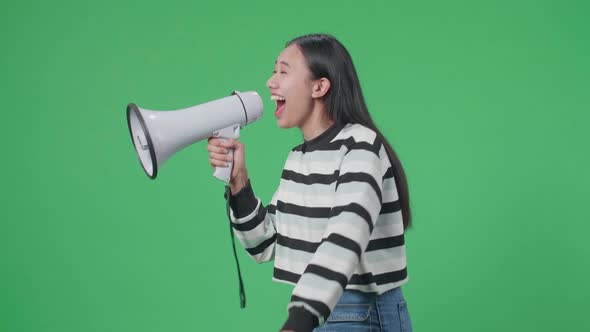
(293, 56)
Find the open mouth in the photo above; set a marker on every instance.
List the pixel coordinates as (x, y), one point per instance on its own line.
(280, 102)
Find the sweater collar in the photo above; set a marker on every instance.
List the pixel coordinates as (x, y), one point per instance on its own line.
(324, 137)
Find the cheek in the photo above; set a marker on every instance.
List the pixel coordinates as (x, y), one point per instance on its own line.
(295, 85)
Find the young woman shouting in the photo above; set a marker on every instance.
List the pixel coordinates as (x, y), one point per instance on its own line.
(335, 225)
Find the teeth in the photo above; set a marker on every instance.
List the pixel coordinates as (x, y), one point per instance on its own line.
(275, 97)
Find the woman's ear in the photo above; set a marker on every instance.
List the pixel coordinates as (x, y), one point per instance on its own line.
(320, 87)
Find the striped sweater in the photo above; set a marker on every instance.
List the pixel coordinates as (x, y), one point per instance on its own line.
(333, 223)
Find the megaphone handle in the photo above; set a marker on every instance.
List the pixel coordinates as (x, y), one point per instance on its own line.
(223, 173)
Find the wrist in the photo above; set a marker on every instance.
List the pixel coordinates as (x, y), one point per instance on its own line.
(238, 182)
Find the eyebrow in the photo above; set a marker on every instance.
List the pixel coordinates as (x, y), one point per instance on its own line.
(283, 62)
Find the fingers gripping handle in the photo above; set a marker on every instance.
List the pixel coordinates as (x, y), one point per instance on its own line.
(224, 173)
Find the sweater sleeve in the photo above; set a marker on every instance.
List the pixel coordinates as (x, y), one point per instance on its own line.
(253, 224)
(357, 203)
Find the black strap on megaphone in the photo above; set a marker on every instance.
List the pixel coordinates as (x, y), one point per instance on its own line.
(233, 243)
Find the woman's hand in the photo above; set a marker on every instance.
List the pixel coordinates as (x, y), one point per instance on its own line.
(218, 156)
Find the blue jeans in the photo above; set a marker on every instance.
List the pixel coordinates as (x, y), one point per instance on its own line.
(358, 311)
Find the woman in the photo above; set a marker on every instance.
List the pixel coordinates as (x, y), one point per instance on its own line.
(335, 226)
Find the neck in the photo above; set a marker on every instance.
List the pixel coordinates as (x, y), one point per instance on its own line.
(317, 122)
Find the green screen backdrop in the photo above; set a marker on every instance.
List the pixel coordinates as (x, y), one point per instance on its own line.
(486, 102)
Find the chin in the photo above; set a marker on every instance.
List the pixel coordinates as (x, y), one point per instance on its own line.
(283, 124)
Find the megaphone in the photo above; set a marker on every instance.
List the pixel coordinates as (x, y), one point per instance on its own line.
(157, 135)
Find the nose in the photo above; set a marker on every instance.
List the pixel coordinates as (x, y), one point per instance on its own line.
(271, 83)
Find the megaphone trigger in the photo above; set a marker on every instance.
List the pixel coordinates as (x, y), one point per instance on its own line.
(223, 173)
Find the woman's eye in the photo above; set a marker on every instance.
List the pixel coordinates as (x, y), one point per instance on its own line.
(283, 72)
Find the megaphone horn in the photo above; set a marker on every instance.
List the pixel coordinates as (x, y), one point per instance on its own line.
(157, 135)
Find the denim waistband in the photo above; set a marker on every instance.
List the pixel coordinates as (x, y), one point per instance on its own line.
(351, 296)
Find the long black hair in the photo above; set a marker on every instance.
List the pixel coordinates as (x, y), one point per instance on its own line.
(327, 57)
